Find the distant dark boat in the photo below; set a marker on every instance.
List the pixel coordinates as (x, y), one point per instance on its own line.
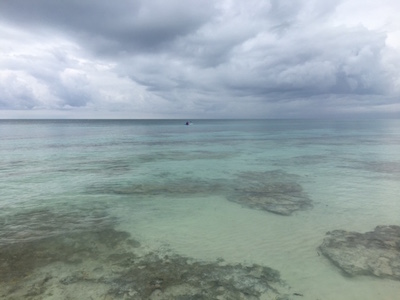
(188, 123)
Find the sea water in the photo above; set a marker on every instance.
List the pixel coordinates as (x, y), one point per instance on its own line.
(169, 185)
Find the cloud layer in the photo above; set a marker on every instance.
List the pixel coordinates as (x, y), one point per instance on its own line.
(208, 59)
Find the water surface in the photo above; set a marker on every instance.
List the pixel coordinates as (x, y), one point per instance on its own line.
(174, 188)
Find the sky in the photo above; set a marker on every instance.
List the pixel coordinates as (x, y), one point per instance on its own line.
(192, 59)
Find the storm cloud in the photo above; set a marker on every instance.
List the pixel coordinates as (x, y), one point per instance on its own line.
(199, 59)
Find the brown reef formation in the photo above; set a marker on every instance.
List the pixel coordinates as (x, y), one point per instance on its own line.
(103, 263)
(375, 253)
(274, 191)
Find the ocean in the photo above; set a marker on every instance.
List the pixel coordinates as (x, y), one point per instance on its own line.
(180, 193)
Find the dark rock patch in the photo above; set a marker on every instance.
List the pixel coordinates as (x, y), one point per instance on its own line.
(19, 260)
(38, 223)
(183, 155)
(381, 169)
(180, 278)
(167, 188)
(103, 263)
(375, 253)
(274, 191)
(388, 167)
(303, 160)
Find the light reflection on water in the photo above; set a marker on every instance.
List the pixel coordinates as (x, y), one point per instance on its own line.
(169, 186)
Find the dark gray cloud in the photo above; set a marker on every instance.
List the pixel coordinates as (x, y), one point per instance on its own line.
(106, 26)
(226, 58)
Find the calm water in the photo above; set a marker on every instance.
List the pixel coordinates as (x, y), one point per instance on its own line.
(170, 186)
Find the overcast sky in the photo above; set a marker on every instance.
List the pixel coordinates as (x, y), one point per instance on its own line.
(199, 59)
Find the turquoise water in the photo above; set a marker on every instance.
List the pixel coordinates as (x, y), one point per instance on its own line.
(171, 187)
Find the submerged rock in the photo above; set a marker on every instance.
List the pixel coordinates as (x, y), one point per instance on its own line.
(183, 155)
(375, 253)
(167, 188)
(19, 260)
(274, 191)
(178, 277)
(107, 264)
(39, 223)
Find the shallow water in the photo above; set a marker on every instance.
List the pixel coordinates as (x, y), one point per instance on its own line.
(174, 189)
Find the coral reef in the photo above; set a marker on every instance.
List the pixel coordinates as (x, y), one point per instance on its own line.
(274, 191)
(167, 188)
(104, 263)
(375, 253)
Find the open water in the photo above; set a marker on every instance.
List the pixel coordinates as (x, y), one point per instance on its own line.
(171, 187)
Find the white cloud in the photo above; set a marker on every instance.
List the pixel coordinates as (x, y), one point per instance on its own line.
(226, 58)
(57, 74)
(21, 90)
